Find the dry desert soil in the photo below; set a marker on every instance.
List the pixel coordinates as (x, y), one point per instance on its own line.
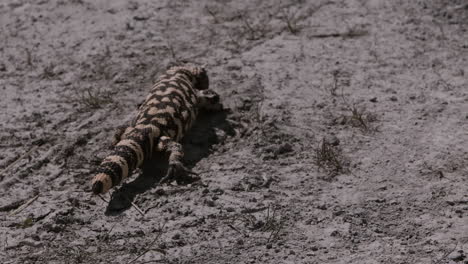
(343, 139)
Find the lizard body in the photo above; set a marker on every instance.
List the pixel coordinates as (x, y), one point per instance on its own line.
(167, 113)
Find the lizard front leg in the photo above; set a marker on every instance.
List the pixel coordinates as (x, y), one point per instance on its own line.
(209, 100)
(176, 171)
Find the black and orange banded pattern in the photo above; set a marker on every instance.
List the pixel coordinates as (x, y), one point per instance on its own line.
(162, 120)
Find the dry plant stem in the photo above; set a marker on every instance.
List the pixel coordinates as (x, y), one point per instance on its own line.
(135, 206)
(149, 246)
(249, 27)
(102, 198)
(21, 208)
(352, 33)
(132, 203)
(237, 230)
(446, 254)
(212, 14)
(328, 158)
(274, 233)
(291, 24)
(18, 159)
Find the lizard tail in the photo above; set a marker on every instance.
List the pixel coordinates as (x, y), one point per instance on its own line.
(127, 155)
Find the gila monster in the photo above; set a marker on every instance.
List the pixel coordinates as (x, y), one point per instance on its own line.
(162, 120)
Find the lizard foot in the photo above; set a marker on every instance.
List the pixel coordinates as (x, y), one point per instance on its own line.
(178, 172)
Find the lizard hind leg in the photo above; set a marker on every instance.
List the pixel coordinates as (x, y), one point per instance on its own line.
(118, 135)
(176, 171)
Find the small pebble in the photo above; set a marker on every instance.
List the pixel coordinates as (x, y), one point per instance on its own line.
(457, 255)
(210, 203)
(332, 139)
(284, 148)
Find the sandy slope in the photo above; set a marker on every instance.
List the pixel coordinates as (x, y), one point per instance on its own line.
(290, 73)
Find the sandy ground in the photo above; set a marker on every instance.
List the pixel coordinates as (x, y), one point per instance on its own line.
(344, 138)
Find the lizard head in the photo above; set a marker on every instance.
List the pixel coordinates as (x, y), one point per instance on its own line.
(198, 75)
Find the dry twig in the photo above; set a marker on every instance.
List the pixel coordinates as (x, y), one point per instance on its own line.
(18, 159)
(150, 246)
(21, 208)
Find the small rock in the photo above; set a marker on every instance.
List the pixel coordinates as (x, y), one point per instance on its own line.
(160, 192)
(176, 236)
(269, 245)
(220, 135)
(457, 255)
(373, 100)
(393, 99)
(233, 67)
(218, 191)
(322, 206)
(140, 18)
(284, 148)
(210, 203)
(332, 140)
(321, 105)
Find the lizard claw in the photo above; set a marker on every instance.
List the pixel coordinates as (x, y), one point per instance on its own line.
(179, 173)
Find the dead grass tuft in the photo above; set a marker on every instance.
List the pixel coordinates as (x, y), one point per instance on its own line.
(272, 222)
(362, 119)
(291, 21)
(94, 98)
(254, 31)
(330, 158)
(48, 72)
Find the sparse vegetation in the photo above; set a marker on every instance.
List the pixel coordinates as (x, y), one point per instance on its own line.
(362, 119)
(271, 222)
(291, 21)
(212, 14)
(357, 116)
(93, 98)
(103, 63)
(48, 71)
(340, 79)
(329, 158)
(254, 31)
